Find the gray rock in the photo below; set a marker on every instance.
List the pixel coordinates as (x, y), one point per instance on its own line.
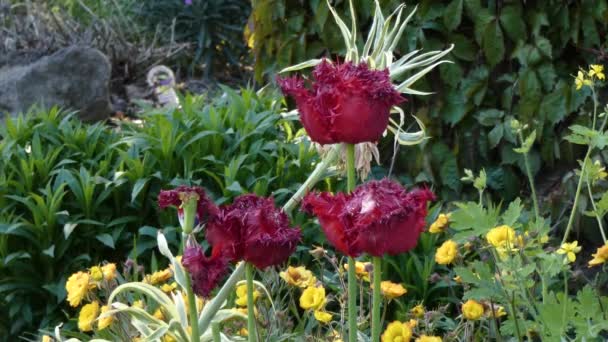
(74, 78)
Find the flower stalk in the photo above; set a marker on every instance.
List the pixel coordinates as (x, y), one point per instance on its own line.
(252, 334)
(530, 179)
(376, 298)
(215, 304)
(189, 207)
(352, 280)
(579, 187)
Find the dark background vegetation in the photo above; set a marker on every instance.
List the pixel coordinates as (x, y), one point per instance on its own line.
(72, 195)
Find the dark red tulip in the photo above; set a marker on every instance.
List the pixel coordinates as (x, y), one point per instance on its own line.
(254, 230)
(348, 103)
(379, 217)
(205, 272)
(205, 207)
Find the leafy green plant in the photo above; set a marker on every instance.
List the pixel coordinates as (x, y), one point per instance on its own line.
(511, 60)
(69, 190)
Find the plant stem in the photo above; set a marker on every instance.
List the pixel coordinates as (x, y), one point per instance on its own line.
(189, 207)
(251, 333)
(215, 332)
(576, 196)
(214, 305)
(583, 169)
(376, 299)
(352, 279)
(599, 219)
(531, 180)
(312, 179)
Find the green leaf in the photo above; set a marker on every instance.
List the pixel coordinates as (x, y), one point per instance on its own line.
(453, 109)
(493, 43)
(138, 187)
(513, 212)
(464, 48)
(553, 107)
(512, 21)
(495, 135)
(452, 15)
(449, 173)
(106, 239)
(475, 85)
(544, 46)
(490, 117)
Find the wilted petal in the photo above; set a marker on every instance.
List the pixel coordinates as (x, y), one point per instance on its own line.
(205, 272)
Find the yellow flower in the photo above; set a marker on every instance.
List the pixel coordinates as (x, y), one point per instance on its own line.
(77, 287)
(323, 316)
(138, 304)
(425, 338)
(440, 224)
(417, 311)
(106, 321)
(109, 271)
(600, 256)
(168, 287)
(397, 332)
(243, 332)
(499, 311)
(446, 253)
(569, 249)
(361, 269)
(158, 314)
(391, 290)
(88, 315)
(47, 338)
(501, 236)
(580, 80)
(313, 298)
(472, 310)
(597, 71)
(458, 279)
(159, 277)
(96, 273)
(298, 276)
(241, 294)
(412, 323)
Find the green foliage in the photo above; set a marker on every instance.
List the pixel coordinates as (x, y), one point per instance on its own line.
(213, 27)
(510, 61)
(74, 194)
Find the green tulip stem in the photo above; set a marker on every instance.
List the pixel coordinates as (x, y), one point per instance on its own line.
(215, 332)
(250, 305)
(352, 279)
(189, 207)
(215, 304)
(376, 298)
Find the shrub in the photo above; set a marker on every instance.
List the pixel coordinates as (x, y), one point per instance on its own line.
(74, 194)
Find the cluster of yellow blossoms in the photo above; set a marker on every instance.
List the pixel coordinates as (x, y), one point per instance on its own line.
(79, 287)
(441, 224)
(586, 78)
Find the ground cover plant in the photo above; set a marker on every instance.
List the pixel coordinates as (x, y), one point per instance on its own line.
(240, 218)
